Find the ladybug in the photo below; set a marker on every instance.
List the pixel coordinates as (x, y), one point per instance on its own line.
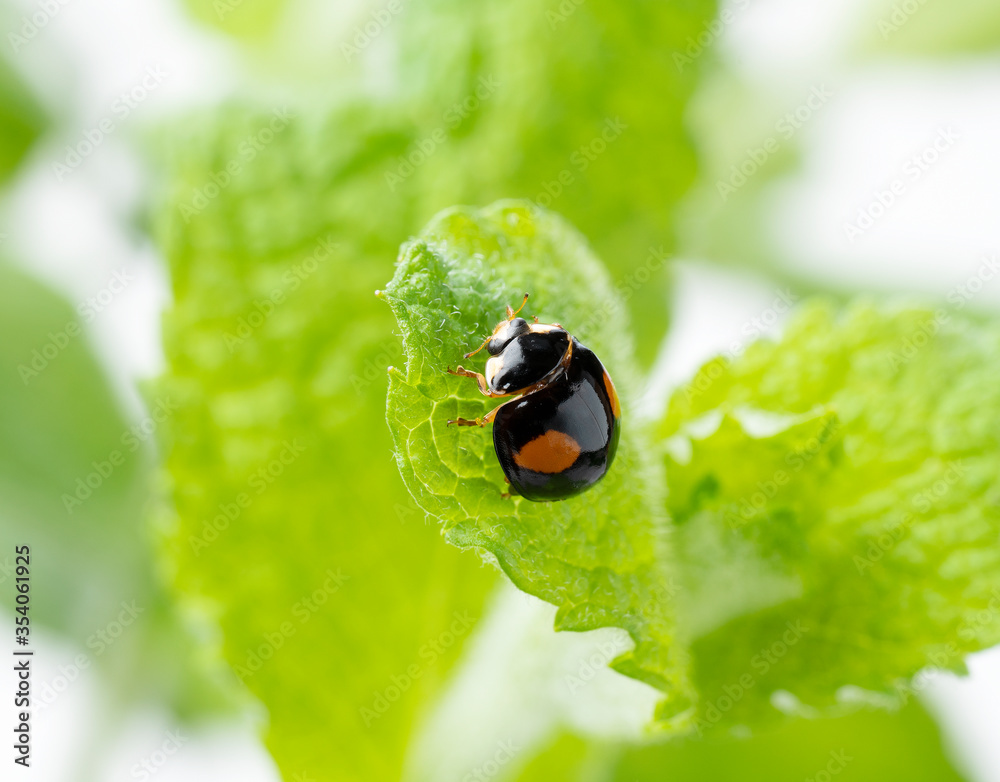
(558, 435)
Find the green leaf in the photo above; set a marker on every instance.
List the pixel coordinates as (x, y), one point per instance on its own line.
(932, 28)
(21, 119)
(75, 478)
(579, 107)
(600, 556)
(838, 510)
(869, 746)
(338, 607)
(519, 685)
(239, 18)
(866, 747)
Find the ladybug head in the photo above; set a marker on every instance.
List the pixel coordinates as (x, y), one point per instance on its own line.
(506, 331)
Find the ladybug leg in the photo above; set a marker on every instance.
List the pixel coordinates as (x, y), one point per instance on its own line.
(484, 387)
(510, 490)
(466, 422)
(486, 419)
(507, 494)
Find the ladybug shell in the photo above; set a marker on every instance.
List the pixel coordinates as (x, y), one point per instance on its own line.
(557, 441)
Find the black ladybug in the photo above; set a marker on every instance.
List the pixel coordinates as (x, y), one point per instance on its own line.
(558, 435)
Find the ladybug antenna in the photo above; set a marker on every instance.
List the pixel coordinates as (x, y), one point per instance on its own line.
(485, 343)
(511, 313)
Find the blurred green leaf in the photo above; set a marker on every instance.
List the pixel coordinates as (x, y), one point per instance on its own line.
(931, 28)
(599, 556)
(837, 509)
(869, 746)
(246, 19)
(74, 478)
(864, 747)
(578, 106)
(339, 608)
(21, 119)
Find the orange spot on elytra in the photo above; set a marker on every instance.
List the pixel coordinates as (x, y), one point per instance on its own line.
(548, 453)
(616, 407)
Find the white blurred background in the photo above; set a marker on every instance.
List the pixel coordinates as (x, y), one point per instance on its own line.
(938, 234)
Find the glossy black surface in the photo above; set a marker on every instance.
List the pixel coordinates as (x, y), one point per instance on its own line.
(512, 329)
(577, 404)
(528, 358)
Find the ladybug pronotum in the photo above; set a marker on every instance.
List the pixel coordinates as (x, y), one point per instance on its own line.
(558, 434)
